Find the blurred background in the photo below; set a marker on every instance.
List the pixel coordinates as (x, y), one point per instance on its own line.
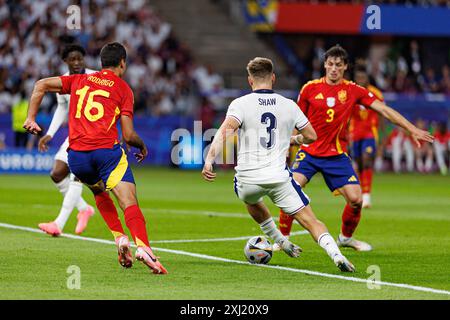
(187, 59)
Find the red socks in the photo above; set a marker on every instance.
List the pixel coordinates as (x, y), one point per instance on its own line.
(285, 223)
(350, 220)
(109, 213)
(366, 180)
(134, 219)
(136, 223)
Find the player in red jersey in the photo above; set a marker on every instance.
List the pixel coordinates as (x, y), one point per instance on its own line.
(363, 134)
(97, 101)
(328, 103)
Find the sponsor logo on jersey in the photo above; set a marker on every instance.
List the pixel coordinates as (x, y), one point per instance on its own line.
(342, 96)
(331, 102)
(319, 96)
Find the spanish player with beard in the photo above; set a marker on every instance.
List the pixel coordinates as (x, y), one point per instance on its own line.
(363, 135)
(97, 102)
(328, 103)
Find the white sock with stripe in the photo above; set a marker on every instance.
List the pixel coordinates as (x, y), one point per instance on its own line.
(327, 242)
(270, 229)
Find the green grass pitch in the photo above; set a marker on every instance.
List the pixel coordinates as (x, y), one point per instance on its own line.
(408, 226)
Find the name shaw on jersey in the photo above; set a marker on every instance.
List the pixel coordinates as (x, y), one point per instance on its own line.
(267, 102)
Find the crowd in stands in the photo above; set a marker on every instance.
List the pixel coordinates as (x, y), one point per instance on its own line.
(161, 71)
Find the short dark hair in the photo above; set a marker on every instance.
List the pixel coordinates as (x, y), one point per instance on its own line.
(337, 52)
(70, 48)
(260, 67)
(111, 54)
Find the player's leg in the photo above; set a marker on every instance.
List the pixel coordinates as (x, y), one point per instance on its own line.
(341, 178)
(429, 157)
(82, 165)
(439, 152)
(290, 197)
(107, 209)
(60, 177)
(366, 171)
(303, 169)
(409, 154)
(397, 150)
(320, 234)
(125, 192)
(351, 218)
(117, 176)
(286, 221)
(71, 188)
(260, 213)
(73, 197)
(251, 195)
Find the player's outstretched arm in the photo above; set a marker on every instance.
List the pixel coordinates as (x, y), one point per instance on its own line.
(42, 86)
(132, 138)
(396, 118)
(227, 129)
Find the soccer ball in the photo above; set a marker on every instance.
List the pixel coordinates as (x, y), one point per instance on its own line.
(258, 250)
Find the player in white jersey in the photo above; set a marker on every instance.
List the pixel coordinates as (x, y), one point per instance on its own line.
(67, 184)
(265, 121)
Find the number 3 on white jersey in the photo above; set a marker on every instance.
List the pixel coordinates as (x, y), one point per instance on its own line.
(271, 120)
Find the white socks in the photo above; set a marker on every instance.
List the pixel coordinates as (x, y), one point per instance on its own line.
(270, 229)
(63, 185)
(327, 242)
(72, 197)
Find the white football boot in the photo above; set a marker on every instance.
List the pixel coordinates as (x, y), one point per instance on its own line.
(367, 203)
(343, 264)
(353, 243)
(291, 249)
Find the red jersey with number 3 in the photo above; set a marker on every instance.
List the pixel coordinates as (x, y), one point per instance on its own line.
(329, 108)
(97, 100)
(364, 121)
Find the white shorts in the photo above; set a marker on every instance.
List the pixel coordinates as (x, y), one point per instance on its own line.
(62, 152)
(288, 196)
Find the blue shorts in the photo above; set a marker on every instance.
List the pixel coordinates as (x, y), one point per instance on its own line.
(107, 165)
(336, 170)
(360, 147)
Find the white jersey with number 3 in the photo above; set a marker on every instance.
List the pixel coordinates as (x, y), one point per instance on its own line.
(267, 120)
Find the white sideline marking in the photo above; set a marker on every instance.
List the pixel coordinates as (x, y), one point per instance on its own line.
(296, 233)
(207, 257)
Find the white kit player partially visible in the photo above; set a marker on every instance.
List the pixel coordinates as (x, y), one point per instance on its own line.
(266, 121)
(67, 184)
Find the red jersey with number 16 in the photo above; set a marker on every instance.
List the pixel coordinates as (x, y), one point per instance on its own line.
(97, 100)
(329, 108)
